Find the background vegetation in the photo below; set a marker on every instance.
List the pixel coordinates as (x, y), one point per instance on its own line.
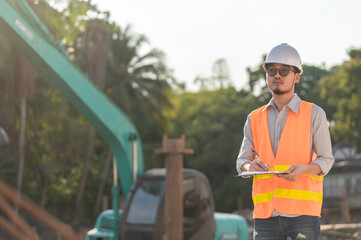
(57, 159)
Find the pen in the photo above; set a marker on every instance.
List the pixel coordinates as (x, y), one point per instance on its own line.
(254, 152)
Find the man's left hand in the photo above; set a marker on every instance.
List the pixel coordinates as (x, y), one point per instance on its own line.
(293, 173)
(296, 171)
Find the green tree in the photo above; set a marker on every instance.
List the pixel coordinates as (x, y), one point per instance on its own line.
(204, 82)
(257, 78)
(212, 122)
(342, 90)
(9, 105)
(309, 89)
(221, 73)
(140, 84)
(66, 25)
(25, 75)
(8, 97)
(96, 51)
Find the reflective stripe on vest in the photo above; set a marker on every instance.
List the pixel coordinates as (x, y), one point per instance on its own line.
(287, 193)
(302, 197)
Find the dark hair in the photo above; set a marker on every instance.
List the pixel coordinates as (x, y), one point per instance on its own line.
(296, 69)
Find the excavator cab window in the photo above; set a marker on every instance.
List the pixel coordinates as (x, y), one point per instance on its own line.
(144, 207)
(197, 207)
(205, 202)
(144, 217)
(4, 139)
(190, 200)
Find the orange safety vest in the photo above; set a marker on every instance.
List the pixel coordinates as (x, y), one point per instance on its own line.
(302, 197)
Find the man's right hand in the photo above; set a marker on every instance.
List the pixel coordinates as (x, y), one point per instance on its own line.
(254, 166)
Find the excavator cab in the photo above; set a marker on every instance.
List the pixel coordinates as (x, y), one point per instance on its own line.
(143, 217)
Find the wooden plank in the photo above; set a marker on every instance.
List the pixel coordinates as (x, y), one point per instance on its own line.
(14, 216)
(340, 226)
(8, 227)
(40, 214)
(343, 235)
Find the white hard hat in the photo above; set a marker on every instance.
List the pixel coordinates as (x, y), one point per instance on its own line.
(284, 54)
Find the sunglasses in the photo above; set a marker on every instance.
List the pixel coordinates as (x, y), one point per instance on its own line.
(283, 71)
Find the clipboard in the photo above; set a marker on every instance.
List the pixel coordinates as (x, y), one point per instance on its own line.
(245, 174)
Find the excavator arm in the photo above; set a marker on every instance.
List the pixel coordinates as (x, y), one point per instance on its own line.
(20, 24)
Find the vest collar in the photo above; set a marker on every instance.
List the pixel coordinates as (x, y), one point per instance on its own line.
(294, 104)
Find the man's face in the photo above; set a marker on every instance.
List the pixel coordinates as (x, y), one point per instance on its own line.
(278, 84)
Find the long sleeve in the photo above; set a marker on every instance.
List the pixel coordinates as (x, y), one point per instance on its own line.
(321, 140)
(245, 153)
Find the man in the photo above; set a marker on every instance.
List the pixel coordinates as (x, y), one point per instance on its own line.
(288, 135)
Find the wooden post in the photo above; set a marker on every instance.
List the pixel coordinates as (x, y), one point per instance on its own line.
(345, 209)
(174, 150)
(105, 203)
(239, 204)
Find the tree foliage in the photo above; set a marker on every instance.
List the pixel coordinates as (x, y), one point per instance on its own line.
(220, 77)
(342, 90)
(57, 134)
(139, 84)
(221, 73)
(213, 124)
(309, 88)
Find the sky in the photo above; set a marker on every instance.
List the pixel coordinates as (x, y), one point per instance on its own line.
(195, 33)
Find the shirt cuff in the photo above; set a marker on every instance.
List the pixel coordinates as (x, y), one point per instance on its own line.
(240, 164)
(323, 165)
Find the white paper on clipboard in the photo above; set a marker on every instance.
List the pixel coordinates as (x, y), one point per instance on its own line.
(244, 174)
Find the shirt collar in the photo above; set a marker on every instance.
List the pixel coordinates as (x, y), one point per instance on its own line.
(294, 104)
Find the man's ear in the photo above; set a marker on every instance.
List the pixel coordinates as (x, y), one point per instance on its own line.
(297, 78)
